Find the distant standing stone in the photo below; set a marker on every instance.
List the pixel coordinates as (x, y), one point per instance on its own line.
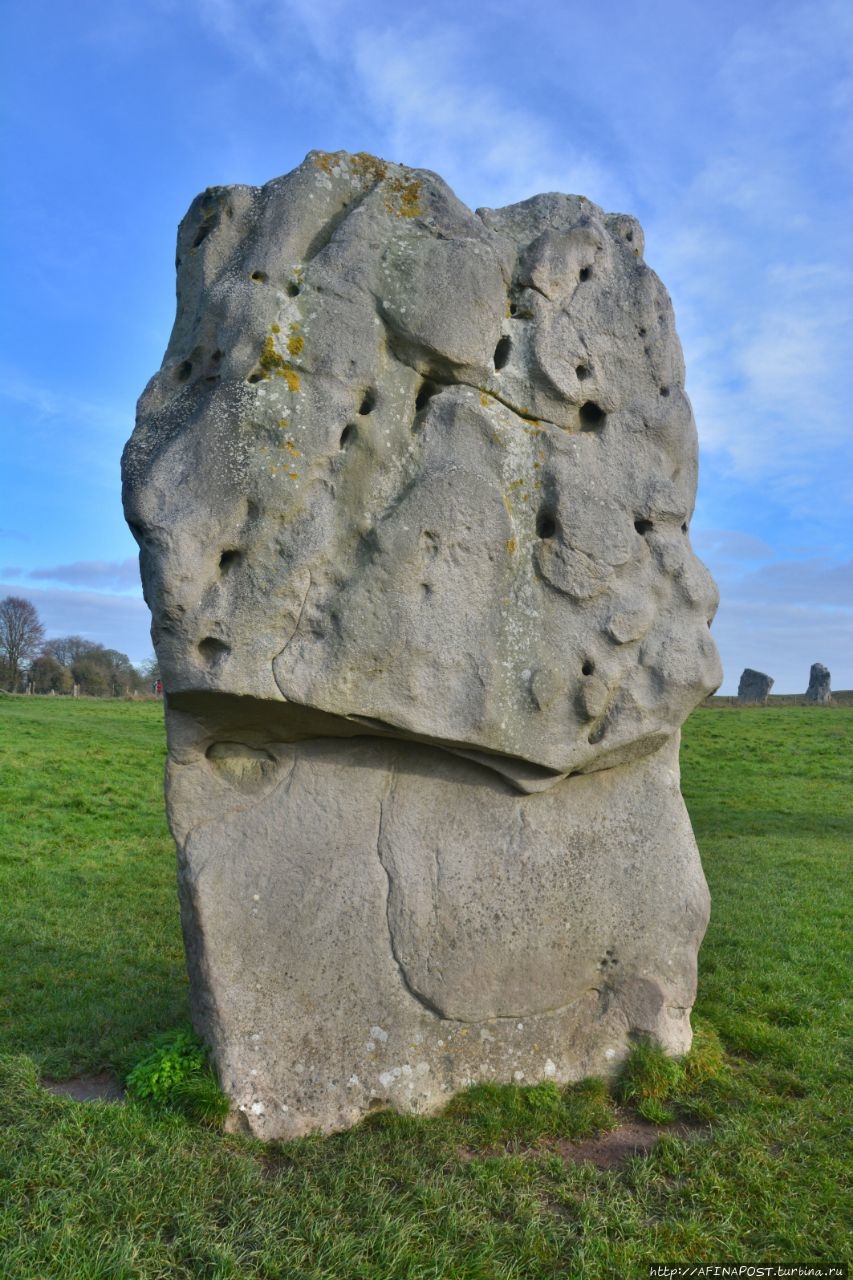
(819, 690)
(754, 687)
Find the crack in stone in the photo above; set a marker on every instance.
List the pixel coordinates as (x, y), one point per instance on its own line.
(415, 994)
(289, 639)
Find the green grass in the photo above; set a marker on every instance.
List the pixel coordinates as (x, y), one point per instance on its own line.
(90, 942)
(92, 970)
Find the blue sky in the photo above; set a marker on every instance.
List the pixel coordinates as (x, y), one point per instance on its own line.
(726, 128)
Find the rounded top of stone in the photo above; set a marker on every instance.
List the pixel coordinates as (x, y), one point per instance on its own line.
(410, 469)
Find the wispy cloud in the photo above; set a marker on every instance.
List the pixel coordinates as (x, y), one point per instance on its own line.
(117, 621)
(730, 546)
(755, 252)
(814, 581)
(434, 104)
(105, 575)
(83, 436)
(783, 638)
(428, 100)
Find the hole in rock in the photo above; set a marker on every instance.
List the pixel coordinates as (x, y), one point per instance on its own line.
(293, 289)
(664, 391)
(229, 558)
(629, 236)
(426, 393)
(216, 357)
(684, 527)
(585, 273)
(202, 234)
(591, 415)
(583, 371)
(259, 276)
(643, 526)
(502, 352)
(347, 434)
(183, 371)
(641, 331)
(546, 525)
(513, 309)
(588, 668)
(368, 403)
(177, 263)
(255, 377)
(213, 650)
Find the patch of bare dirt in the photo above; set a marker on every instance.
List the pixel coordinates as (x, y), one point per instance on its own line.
(90, 1088)
(612, 1150)
(606, 1151)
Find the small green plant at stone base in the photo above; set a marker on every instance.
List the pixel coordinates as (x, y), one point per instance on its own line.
(176, 1074)
(657, 1086)
(649, 1079)
(503, 1113)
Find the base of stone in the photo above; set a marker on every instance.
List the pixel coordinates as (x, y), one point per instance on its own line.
(375, 923)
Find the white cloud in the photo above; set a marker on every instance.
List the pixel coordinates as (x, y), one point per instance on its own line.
(729, 545)
(438, 110)
(783, 639)
(799, 583)
(118, 575)
(83, 436)
(116, 621)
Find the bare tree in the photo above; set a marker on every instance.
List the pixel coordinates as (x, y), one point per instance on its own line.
(67, 649)
(21, 633)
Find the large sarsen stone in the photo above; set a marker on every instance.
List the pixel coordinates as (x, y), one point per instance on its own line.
(421, 478)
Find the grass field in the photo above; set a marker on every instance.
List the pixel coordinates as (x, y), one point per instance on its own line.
(91, 968)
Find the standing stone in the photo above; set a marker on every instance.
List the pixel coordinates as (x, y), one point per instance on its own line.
(412, 492)
(819, 690)
(754, 688)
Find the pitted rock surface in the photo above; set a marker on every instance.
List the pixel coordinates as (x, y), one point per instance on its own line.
(412, 464)
(421, 478)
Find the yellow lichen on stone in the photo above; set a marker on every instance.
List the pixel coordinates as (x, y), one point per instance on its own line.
(295, 342)
(276, 328)
(364, 165)
(272, 362)
(402, 197)
(485, 400)
(292, 449)
(511, 546)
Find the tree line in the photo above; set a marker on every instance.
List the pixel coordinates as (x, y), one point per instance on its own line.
(29, 661)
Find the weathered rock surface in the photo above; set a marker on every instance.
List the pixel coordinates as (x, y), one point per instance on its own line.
(819, 685)
(754, 687)
(421, 478)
